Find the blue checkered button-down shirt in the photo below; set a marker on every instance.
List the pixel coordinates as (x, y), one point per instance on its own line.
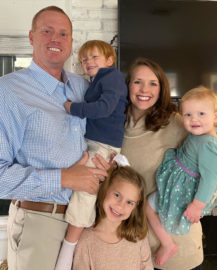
(37, 136)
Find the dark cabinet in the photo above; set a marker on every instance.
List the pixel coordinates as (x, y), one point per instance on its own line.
(4, 206)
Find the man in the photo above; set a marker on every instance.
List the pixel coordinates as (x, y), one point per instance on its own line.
(41, 145)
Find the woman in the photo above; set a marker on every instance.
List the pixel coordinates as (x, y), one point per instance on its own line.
(153, 125)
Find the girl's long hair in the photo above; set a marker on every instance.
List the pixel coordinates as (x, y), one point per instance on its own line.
(135, 227)
(158, 115)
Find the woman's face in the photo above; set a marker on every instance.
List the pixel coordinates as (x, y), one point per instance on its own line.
(144, 90)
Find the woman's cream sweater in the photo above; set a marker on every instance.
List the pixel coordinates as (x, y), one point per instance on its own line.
(145, 151)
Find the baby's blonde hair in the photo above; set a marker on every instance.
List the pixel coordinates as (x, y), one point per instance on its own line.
(200, 92)
(104, 48)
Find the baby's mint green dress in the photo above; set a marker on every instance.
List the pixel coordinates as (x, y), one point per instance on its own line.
(187, 173)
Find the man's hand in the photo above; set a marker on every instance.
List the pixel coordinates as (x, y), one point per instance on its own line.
(101, 163)
(67, 105)
(82, 178)
(194, 211)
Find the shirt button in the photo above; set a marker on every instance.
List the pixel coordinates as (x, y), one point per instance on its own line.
(75, 129)
(51, 193)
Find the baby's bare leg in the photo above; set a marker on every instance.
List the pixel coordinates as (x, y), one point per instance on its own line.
(168, 248)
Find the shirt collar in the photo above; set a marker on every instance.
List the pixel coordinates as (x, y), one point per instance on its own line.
(46, 79)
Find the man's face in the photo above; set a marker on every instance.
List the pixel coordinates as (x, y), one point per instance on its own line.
(51, 40)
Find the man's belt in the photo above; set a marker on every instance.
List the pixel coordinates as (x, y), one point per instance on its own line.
(41, 206)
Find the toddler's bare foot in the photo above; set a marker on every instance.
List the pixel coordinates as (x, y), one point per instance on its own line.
(164, 253)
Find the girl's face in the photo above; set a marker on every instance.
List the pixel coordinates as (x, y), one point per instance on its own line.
(199, 116)
(144, 90)
(93, 61)
(120, 200)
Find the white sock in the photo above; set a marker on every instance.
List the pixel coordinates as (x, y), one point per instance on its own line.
(65, 257)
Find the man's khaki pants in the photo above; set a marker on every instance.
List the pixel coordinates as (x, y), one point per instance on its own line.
(34, 239)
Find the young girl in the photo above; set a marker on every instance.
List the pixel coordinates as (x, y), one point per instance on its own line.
(187, 177)
(118, 238)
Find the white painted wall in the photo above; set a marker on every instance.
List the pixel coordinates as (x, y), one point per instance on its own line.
(16, 15)
(91, 19)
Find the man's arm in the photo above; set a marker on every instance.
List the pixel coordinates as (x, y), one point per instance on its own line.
(21, 182)
(18, 181)
(26, 182)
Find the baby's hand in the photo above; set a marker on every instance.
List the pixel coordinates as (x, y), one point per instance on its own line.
(194, 211)
(67, 105)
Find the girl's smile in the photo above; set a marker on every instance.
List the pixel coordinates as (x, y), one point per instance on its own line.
(120, 200)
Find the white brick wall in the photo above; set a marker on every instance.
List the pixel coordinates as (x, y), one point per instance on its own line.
(92, 19)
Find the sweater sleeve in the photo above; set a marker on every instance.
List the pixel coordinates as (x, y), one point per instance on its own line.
(207, 162)
(112, 88)
(146, 262)
(81, 259)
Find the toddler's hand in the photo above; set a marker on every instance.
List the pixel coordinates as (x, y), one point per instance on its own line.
(194, 211)
(67, 105)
